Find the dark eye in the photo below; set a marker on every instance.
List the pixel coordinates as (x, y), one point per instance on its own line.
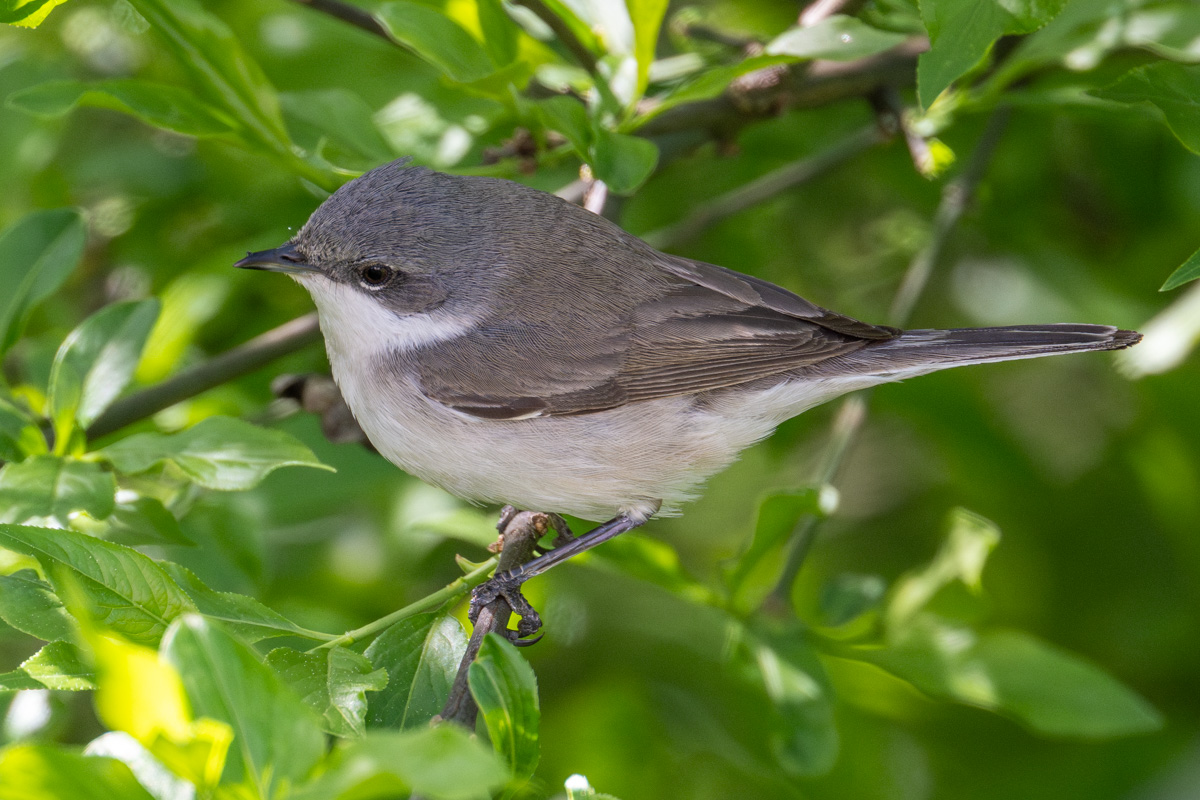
(375, 275)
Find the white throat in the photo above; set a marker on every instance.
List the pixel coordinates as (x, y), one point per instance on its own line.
(357, 328)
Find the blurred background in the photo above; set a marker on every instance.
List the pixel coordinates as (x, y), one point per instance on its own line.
(1089, 467)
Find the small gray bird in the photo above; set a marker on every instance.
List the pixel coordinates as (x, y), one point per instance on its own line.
(511, 347)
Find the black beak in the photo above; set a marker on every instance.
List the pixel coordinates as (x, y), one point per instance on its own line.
(282, 259)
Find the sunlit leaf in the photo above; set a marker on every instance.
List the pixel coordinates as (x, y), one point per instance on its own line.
(505, 689)
(421, 655)
(278, 738)
(59, 666)
(36, 256)
(438, 39)
(647, 17)
(19, 434)
(162, 106)
(835, 38)
(569, 117)
(29, 605)
(123, 590)
(623, 162)
(53, 487)
(47, 772)
(333, 682)
(849, 596)
(805, 740)
(96, 362)
(778, 515)
(218, 453)
(1188, 271)
(142, 695)
(27, 13)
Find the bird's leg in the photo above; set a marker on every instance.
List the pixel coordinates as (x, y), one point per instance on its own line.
(508, 584)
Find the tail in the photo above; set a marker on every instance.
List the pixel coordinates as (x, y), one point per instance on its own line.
(918, 352)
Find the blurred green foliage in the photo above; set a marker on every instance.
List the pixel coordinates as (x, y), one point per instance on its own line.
(145, 144)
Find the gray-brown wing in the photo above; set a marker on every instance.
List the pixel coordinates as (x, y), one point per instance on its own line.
(687, 339)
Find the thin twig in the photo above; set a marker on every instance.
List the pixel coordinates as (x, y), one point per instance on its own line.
(519, 532)
(765, 187)
(853, 411)
(889, 105)
(450, 591)
(356, 16)
(585, 57)
(241, 360)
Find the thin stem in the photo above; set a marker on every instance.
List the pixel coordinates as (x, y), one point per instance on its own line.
(766, 187)
(455, 589)
(242, 360)
(823, 9)
(853, 411)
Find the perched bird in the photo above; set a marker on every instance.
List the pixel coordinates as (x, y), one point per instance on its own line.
(511, 347)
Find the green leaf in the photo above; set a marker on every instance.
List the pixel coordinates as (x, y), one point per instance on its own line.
(438, 39)
(1173, 89)
(569, 117)
(505, 688)
(581, 29)
(123, 590)
(218, 453)
(500, 32)
(96, 362)
(36, 256)
(961, 558)
(277, 739)
(647, 17)
(344, 119)
(28, 604)
(778, 515)
(49, 772)
(1188, 271)
(222, 71)
(27, 13)
(159, 105)
(240, 614)
(961, 32)
(45, 487)
(60, 665)
(333, 682)
(421, 655)
(804, 737)
(1053, 692)
(145, 520)
(20, 436)
(847, 597)
(835, 38)
(623, 162)
(442, 763)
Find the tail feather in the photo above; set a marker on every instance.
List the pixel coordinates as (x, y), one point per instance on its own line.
(919, 351)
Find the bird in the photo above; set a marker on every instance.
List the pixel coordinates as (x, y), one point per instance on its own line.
(511, 347)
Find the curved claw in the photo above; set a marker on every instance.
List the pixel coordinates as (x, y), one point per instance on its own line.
(514, 638)
(507, 587)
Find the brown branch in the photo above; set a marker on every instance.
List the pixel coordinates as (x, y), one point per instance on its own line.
(519, 532)
(354, 15)
(241, 360)
(801, 86)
